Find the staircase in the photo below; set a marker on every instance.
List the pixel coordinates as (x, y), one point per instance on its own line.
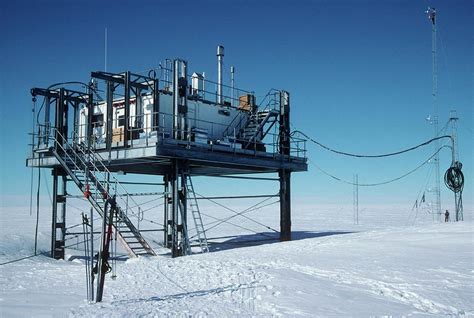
(88, 172)
(253, 132)
(200, 236)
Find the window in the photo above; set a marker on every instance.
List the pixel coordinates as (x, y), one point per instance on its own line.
(98, 120)
(121, 120)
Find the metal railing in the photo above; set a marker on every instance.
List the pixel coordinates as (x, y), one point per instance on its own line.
(150, 134)
(93, 163)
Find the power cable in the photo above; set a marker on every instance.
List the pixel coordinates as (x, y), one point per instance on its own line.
(369, 156)
(379, 183)
(454, 178)
(33, 110)
(23, 258)
(37, 206)
(47, 189)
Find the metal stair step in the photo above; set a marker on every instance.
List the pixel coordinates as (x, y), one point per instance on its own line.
(81, 168)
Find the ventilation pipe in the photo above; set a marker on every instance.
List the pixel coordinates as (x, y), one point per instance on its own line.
(220, 56)
(232, 71)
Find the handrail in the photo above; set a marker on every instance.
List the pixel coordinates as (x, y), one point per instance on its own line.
(271, 92)
(241, 116)
(105, 171)
(260, 126)
(106, 185)
(99, 159)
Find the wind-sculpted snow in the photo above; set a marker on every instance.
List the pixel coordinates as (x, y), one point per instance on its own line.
(422, 270)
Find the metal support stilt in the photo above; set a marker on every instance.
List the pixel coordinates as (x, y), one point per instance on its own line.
(174, 208)
(58, 226)
(285, 175)
(285, 205)
(166, 213)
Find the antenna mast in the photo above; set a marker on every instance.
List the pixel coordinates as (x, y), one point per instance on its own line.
(356, 199)
(431, 12)
(453, 118)
(105, 50)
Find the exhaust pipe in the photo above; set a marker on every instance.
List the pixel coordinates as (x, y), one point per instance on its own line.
(220, 56)
(232, 71)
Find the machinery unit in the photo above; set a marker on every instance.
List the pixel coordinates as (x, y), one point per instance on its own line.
(175, 126)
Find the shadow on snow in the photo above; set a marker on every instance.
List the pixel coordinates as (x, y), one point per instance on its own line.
(232, 242)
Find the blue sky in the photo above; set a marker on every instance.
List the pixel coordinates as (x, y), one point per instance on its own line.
(359, 74)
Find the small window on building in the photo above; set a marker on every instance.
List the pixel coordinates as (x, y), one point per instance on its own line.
(98, 120)
(121, 120)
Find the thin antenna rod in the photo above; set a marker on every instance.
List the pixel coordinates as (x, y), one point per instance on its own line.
(356, 198)
(105, 51)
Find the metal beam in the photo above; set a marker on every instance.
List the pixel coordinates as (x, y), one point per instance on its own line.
(126, 126)
(108, 127)
(44, 92)
(118, 79)
(241, 177)
(239, 197)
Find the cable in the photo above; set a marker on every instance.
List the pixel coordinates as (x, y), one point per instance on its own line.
(238, 213)
(251, 209)
(454, 178)
(47, 190)
(33, 110)
(379, 183)
(23, 258)
(66, 83)
(227, 222)
(370, 156)
(37, 207)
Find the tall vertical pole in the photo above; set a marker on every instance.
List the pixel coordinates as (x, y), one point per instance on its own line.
(180, 101)
(109, 114)
(126, 126)
(54, 214)
(47, 120)
(62, 221)
(220, 58)
(285, 205)
(175, 99)
(166, 216)
(431, 12)
(90, 113)
(186, 249)
(174, 207)
(58, 224)
(105, 51)
(156, 106)
(455, 162)
(353, 199)
(92, 255)
(284, 174)
(356, 198)
(232, 86)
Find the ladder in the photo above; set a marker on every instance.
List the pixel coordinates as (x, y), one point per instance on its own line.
(88, 172)
(200, 235)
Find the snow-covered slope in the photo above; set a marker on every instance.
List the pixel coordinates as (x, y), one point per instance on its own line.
(414, 270)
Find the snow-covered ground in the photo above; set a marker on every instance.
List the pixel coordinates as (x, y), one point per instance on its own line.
(331, 268)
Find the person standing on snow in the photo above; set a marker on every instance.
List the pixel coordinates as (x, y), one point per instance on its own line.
(446, 216)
